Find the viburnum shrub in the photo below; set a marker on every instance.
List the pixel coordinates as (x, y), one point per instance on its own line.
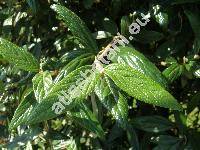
(101, 94)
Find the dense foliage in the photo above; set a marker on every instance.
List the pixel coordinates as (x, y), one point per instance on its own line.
(146, 97)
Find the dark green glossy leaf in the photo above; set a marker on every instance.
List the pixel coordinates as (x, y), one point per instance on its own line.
(148, 36)
(138, 61)
(77, 26)
(18, 56)
(166, 142)
(152, 124)
(141, 86)
(113, 100)
(194, 19)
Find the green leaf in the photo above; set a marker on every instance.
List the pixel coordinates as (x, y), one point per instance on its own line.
(132, 137)
(141, 86)
(113, 100)
(138, 61)
(23, 111)
(109, 26)
(125, 23)
(41, 84)
(77, 27)
(87, 119)
(166, 142)
(18, 56)
(147, 37)
(173, 72)
(194, 19)
(72, 89)
(152, 124)
(24, 137)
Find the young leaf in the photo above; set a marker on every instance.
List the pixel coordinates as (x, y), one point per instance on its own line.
(41, 84)
(152, 123)
(77, 26)
(18, 56)
(173, 72)
(138, 61)
(141, 86)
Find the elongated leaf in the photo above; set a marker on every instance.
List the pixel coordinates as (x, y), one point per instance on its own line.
(173, 72)
(152, 123)
(87, 119)
(140, 86)
(41, 84)
(113, 100)
(23, 110)
(166, 142)
(132, 137)
(138, 61)
(194, 19)
(65, 94)
(18, 56)
(149, 36)
(77, 26)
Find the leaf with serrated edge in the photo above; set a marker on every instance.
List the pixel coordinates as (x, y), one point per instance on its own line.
(140, 86)
(118, 107)
(23, 111)
(76, 26)
(82, 87)
(138, 61)
(17, 56)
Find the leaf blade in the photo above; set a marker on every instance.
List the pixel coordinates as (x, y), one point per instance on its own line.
(140, 86)
(76, 25)
(18, 56)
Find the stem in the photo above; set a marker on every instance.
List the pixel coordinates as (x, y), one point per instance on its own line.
(94, 105)
(49, 142)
